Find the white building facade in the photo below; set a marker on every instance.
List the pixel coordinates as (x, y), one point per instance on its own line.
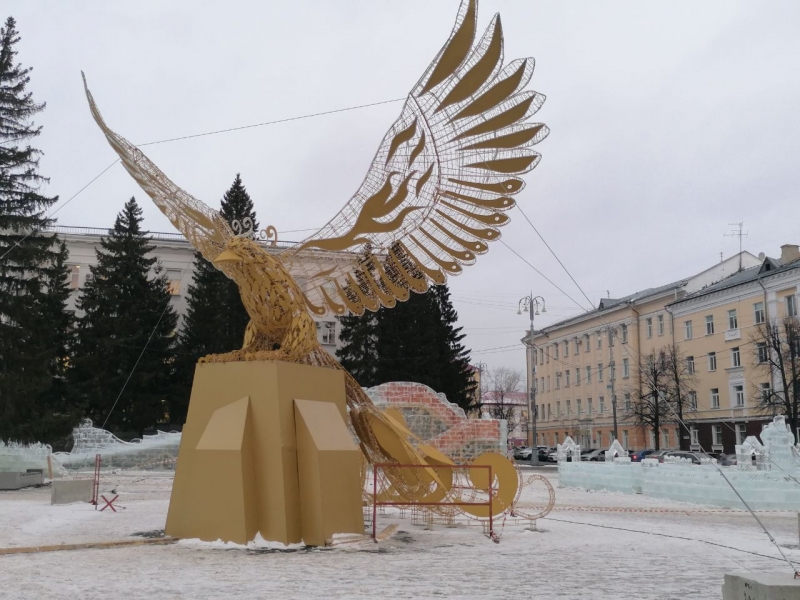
(176, 255)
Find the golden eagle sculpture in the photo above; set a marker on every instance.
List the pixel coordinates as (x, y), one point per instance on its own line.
(435, 195)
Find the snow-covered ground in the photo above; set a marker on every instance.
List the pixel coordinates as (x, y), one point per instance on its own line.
(593, 545)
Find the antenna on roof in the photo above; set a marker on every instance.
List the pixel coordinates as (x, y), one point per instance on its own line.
(737, 233)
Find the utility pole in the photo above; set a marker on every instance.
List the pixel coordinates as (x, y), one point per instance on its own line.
(531, 303)
(611, 378)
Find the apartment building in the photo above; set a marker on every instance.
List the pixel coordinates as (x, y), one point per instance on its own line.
(717, 331)
(176, 255)
(583, 371)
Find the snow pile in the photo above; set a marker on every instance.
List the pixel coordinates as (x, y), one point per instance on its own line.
(257, 543)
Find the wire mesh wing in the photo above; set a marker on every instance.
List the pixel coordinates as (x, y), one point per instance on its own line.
(204, 227)
(437, 188)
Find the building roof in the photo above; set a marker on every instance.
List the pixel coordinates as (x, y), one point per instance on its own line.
(610, 303)
(769, 267)
(510, 398)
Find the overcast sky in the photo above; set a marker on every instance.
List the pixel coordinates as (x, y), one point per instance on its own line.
(668, 121)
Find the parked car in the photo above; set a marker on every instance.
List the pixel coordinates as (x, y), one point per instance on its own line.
(522, 453)
(638, 455)
(594, 455)
(659, 454)
(683, 454)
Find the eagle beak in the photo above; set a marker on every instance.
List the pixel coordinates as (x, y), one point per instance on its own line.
(227, 256)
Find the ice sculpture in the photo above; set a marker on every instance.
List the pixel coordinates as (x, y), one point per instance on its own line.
(767, 474)
(614, 451)
(157, 451)
(19, 458)
(569, 451)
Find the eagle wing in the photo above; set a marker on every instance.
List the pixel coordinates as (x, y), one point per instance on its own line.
(438, 185)
(203, 226)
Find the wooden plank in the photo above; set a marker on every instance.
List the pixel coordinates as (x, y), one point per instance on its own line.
(89, 545)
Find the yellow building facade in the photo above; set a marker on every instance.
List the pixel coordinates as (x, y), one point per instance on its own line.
(583, 372)
(717, 331)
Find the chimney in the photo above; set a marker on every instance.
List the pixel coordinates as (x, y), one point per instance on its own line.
(789, 253)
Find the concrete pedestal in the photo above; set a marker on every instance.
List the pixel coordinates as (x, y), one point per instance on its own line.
(760, 586)
(66, 491)
(16, 481)
(266, 449)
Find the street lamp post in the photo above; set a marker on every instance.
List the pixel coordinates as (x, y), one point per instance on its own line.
(532, 303)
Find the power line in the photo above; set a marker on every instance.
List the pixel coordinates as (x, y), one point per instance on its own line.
(286, 120)
(75, 195)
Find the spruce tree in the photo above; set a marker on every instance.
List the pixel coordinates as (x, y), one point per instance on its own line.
(34, 322)
(215, 318)
(127, 330)
(457, 382)
(417, 341)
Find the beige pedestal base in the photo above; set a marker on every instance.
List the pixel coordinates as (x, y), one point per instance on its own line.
(266, 449)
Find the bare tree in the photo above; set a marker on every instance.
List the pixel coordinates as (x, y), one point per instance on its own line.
(649, 407)
(777, 351)
(501, 382)
(681, 383)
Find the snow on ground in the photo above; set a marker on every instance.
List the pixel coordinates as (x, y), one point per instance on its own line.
(575, 553)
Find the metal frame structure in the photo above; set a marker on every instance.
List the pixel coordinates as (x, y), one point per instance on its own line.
(376, 503)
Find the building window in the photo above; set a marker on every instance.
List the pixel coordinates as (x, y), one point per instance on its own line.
(555, 439)
(600, 372)
(625, 439)
(758, 312)
(761, 352)
(548, 383)
(586, 342)
(765, 391)
(626, 368)
(741, 434)
(589, 405)
(578, 403)
(566, 349)
(712, 361)
(652, 438)
(666, 438)
(569, 407)
(733, 322)
(328, 332)
(791, 306)
(692, 397)
(588, 374)
(558, 381)
(577, 346)
(660, 324)
(566, 384)
(602, 404)
(577, 375)
(693, 436)
(690, 365)
(710, 325)
(558, 408)
(555, 351)
(599, 340)
(627, 401)
(610, 338)
(687, 330)
(549, 414)
(714, 397)
(649, 323)
(738, 391)
(74, 276)
(624, 329)
(736, 359)
(613, 372)
(717, 432)
(174, 282)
